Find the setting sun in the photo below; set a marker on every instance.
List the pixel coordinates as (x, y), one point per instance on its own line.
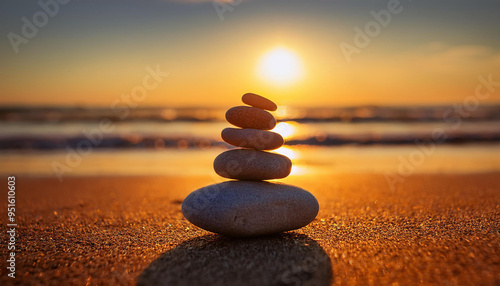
(285, 129)
(280, 66)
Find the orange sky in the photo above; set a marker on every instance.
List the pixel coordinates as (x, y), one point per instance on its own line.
(74, 61)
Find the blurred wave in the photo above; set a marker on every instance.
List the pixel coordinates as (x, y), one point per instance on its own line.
(49, 128)
(284, 113)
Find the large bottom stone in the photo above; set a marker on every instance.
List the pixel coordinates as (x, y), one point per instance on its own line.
(247, 208)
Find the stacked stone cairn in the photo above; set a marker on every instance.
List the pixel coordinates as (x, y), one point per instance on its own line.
(248, 205)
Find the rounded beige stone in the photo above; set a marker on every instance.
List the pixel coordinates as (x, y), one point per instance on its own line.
(252, 138)
(252, 165)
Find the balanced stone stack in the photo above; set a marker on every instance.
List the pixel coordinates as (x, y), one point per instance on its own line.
(249, 206)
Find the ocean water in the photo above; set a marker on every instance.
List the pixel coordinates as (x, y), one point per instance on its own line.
(65, 142)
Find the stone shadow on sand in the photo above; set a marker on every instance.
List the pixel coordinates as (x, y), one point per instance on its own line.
(284, 259)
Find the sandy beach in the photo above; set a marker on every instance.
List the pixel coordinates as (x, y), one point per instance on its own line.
(121, 123)
(434, 229)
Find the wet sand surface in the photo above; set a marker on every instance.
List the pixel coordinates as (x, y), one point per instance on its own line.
(433, 229)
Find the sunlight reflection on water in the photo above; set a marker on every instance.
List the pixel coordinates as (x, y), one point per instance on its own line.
(285, 129)
(306, 160)
(292, 154)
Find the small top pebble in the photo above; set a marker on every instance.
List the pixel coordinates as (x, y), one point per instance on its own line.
(259, 101)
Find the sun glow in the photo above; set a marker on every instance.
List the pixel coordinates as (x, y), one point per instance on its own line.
(286, 151)
(285, 129)
(293, 155)
(280, 66)
(298, 170)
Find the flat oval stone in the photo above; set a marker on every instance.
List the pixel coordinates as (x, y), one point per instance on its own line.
(244, 208)
(253, 165)
(252, 138)
(258, 101)
(250, 117)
